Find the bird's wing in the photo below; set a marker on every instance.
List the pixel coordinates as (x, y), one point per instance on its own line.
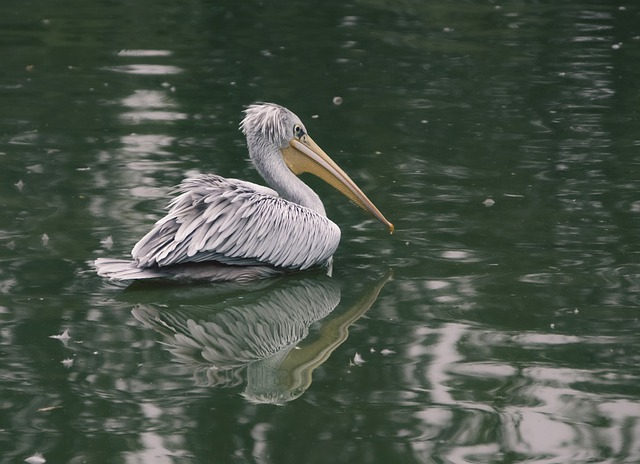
(237, 222)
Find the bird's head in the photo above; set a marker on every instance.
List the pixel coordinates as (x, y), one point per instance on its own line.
(271, 123)
(267, 125)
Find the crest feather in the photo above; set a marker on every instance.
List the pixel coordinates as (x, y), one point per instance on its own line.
(267, 119)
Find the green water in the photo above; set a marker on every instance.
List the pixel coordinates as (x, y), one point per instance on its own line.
(499, 323)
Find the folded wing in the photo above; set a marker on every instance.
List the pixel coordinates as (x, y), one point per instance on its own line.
(237, 222)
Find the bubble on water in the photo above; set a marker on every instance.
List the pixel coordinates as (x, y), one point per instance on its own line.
(337, 101)
(489, 202)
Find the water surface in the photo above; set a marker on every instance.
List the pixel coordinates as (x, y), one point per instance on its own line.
(499, 323)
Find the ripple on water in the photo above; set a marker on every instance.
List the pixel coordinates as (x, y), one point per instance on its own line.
(145, 69)
(512, 390)
(146, 53)
(570, 424)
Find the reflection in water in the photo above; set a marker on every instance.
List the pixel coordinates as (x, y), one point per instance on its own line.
(568, 414)
(261, 337)
(145, 69)
(150, 105)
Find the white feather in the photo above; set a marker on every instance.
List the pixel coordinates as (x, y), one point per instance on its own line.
(228, 220)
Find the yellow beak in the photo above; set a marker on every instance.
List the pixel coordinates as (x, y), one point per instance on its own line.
(306, 156)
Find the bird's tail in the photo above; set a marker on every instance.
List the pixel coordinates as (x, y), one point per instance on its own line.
(122, 269)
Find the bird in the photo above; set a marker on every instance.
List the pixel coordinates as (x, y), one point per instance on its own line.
(219, 229)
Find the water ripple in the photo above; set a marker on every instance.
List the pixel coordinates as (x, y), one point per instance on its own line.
(146, 69)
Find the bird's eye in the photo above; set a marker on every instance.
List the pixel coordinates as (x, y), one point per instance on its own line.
(298, 131)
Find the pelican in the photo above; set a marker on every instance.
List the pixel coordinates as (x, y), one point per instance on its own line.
(220, 229)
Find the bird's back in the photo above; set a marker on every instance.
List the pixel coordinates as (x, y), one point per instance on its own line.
(235, 222)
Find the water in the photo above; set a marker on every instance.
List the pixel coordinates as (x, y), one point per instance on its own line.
(498, 324)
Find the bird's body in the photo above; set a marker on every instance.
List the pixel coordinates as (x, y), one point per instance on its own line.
(220, 229)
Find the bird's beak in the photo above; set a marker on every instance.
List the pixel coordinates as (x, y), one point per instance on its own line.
(306, 156)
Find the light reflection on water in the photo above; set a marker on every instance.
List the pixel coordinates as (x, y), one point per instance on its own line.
(527, 402)
(146, 69)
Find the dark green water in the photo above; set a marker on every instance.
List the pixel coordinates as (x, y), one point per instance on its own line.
(503, 141)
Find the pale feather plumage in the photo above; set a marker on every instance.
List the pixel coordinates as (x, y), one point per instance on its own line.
(227, 229)
(238, 223)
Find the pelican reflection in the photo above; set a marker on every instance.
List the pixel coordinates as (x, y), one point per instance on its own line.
(261, 338)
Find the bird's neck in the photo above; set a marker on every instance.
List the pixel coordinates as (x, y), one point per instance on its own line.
(275, 172)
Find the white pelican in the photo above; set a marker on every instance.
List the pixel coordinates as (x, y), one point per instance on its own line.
(220, 229)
